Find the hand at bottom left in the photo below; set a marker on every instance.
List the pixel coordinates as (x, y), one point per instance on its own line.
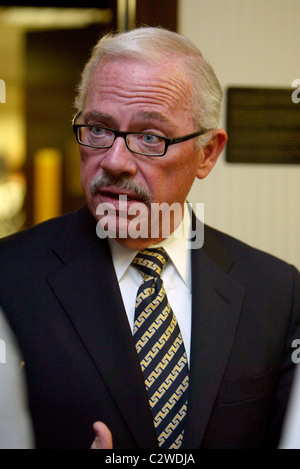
(103, 437)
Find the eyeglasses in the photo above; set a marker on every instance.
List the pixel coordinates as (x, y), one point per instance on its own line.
(142, 143)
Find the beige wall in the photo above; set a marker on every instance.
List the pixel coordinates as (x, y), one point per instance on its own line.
(250, 42)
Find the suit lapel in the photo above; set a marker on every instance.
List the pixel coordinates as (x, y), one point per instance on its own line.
(216, 305)
(88, 291)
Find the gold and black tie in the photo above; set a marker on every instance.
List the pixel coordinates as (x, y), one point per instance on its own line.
(161, 351)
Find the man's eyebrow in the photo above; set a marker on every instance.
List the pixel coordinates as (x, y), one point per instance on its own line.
(98, 116)
(154, 116)
(151, 115)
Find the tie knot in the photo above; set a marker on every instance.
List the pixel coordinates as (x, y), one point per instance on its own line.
(151, 261)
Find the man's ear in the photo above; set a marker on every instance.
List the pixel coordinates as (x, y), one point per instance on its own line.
(210, 152)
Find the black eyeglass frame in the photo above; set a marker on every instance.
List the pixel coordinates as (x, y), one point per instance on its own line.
(119, 133)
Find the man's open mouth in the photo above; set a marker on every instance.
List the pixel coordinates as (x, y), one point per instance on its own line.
(120, 196)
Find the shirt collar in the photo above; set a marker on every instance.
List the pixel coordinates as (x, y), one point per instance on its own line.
(176, 247)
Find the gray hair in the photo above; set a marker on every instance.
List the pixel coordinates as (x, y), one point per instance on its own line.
(149, 43)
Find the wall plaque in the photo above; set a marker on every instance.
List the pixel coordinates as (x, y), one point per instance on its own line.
(263, 126)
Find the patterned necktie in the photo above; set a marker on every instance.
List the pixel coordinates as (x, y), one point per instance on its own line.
(161, 351)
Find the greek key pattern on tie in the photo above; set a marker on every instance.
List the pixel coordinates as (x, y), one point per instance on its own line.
(161, 351)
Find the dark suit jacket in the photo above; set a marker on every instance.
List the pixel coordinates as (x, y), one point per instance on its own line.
(59, 290)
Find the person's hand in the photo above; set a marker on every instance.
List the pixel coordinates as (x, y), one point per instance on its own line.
(103, 437)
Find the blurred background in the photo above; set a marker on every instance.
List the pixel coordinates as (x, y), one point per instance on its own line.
(254, 191)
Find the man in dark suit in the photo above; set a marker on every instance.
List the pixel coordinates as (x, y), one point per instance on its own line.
(147, 126)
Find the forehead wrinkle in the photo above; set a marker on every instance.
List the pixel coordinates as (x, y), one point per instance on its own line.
(138, 92)
(162, 101)
(171, 87)
(168, 92)
(158, 105)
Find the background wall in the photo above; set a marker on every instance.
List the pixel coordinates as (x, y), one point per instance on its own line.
(250, 43)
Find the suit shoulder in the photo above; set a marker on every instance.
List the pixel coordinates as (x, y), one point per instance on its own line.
(245, 254)
(63, 236)
(34, 246)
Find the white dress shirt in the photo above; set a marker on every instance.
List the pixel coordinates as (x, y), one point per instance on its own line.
(176, 277)
(15, 422)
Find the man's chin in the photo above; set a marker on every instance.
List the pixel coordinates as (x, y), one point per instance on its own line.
(137, 244)
(130, 233)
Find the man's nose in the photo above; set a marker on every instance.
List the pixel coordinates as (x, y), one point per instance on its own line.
(119, 159)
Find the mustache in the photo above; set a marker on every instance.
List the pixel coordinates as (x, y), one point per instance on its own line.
(122, 182)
